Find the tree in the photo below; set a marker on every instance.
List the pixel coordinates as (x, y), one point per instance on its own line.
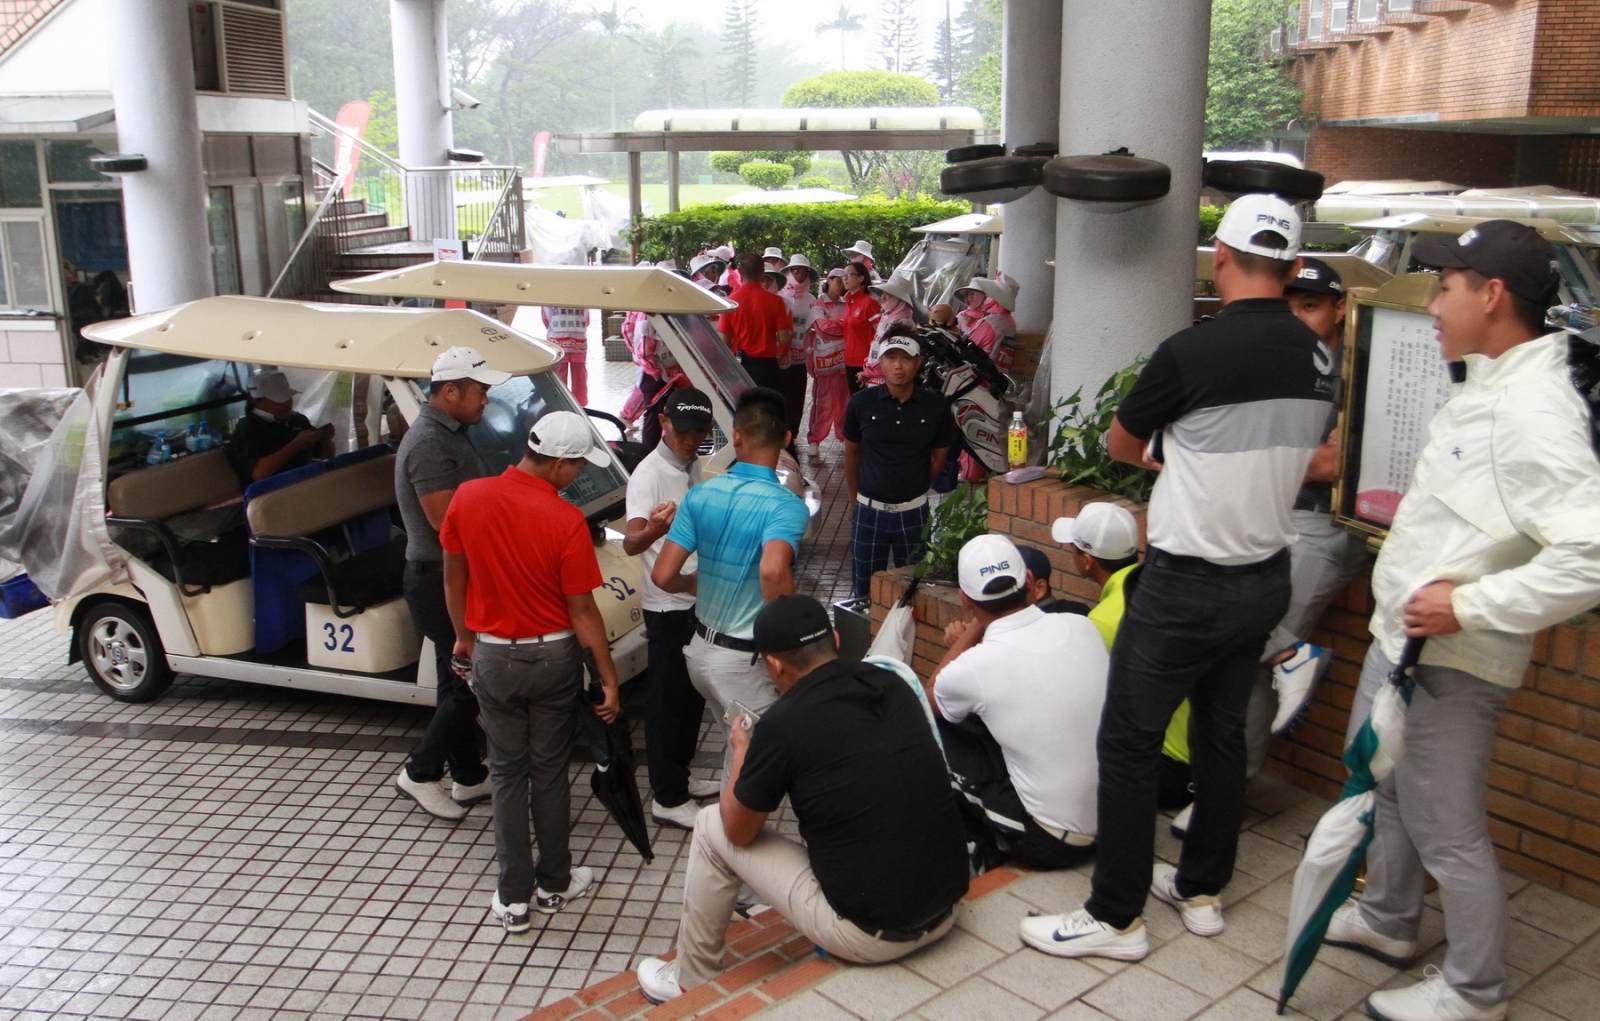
(613, 23)
(668, 52)
(766, 175)
(977, 41)
(896, 174)
(739, 69)
(899, 36)
(383, 125)
(844, 23)
(1248, 90)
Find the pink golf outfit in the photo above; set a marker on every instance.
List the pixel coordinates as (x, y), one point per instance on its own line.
(568, 329)
(825, 362)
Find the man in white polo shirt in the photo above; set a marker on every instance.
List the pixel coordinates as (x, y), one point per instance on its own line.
(1020, 692)
(673, 714)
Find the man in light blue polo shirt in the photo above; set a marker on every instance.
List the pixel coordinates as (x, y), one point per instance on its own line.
(745, 527)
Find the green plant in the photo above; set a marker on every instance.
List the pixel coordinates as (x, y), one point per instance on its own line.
(766, 175)
(1078, 441)
(815, 181)
(960, 517)
(817, 229)
(861, 88)
(1210, 217)
(724, 162)
(1249, 90)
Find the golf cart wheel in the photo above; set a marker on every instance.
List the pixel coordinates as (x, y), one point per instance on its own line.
(122, 652)
(1243, 177)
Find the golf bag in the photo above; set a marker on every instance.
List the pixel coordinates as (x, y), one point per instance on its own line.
(977, 390)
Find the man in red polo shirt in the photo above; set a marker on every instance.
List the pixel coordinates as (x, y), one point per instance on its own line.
(759, 327)
(519, 579)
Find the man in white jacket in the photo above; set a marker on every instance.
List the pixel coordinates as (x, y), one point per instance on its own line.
(1497, 537)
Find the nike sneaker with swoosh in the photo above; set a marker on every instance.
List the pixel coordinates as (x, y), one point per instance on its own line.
(1080, 934)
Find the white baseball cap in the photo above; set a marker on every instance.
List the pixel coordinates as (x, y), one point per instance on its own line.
(272, 386)
(990, 568)
(1104, 530)
(899, 342)
(566, 434)
(1251, 214)
(466, 363)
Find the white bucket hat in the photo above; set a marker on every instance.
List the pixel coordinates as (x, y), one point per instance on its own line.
(722, 253)
(800, 261)
(896, 286)
(271, 385)
(994, 290)
(862, 248)
(700, 262)
(774, 253)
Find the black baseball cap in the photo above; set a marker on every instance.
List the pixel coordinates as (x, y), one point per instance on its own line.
(788, 623)
(1036, 562)
(1500, 250)
(689, 410)
(1316, 277)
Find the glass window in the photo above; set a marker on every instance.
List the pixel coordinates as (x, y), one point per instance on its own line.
(1314, 22)
(1399, 6)
(90, 230)
(247, 228)
(159, 386)
(24, 240)
(294, 201)
(19, 175)
(69, 161)
(1339, 17)
(1366, 11)
(224, 246)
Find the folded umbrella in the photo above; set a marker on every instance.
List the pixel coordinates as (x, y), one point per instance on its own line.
(898, 636)
(612, 780)
(1335, 849)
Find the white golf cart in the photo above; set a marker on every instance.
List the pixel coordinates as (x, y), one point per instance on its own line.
(294, 580)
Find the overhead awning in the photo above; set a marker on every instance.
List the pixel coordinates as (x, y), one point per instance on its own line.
(966, 223)
(54, 115)
(632, 288)
(789, 130)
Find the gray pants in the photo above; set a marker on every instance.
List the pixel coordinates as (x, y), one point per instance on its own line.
(1321, 563)
(1431, 817)
(727, 675)
(528, 696)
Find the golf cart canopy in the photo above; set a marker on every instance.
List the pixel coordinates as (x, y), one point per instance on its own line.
(633, 288)
(1427, 223)
(396, 342)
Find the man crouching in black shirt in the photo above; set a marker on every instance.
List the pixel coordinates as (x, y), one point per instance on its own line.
(884, 861)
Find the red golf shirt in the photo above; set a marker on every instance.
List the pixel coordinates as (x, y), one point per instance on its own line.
(753, 326)
(527, 550)
(859, 308)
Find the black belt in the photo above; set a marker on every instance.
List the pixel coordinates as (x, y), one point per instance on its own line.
(725, 641)
(1304, 504)
(903, 935)
(426, 566)
(1159, 558)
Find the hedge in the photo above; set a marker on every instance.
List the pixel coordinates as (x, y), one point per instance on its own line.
(817, 229)
(766, 175)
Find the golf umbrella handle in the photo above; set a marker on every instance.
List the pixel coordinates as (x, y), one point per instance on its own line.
(1401, 674)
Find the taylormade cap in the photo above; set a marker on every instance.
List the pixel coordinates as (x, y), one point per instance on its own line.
(788, 623)
(989, 567)
(1249, 215)
(1104, 530)
(272, 386)
(566, 434)
(466, 363)
(1316, 277)
(1500, 250)
(689, 410)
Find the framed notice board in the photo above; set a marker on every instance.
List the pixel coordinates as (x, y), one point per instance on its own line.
(1395, 382)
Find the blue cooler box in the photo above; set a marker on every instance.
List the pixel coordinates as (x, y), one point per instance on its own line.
(20, 595)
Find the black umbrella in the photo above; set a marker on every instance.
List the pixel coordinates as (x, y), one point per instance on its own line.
(612, 780)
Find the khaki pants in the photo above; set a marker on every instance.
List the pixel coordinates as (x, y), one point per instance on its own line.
(779, 871)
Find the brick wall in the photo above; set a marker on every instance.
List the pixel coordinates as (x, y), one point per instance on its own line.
(30, 355)
(1367, 154)
(1566, 62)
(1544, 796)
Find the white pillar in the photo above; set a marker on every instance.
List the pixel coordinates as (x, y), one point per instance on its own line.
(164, 207)
(422, 108)
(1125, 281)
(1030, 112)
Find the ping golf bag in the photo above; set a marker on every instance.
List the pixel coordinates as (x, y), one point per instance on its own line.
(976, 389)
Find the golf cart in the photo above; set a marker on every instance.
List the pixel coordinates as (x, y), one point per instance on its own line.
(158, 561)
(677, 310)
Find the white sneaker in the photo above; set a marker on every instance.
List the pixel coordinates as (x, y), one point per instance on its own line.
(1347, 928)
(1295, 678)
(1080, 934)
(470, 795)
(513, 916)
(550, 903)
(1180, 822)
(1202, 915)
(658, 980)
(1432, 999)
(701, 790)
(430, 797)
(681, 816)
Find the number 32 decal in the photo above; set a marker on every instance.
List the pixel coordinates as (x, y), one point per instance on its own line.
(333, 644)
(618, 587)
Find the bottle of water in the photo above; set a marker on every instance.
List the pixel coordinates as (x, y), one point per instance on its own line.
(159, 451)
(191, 438)
(1017, 442)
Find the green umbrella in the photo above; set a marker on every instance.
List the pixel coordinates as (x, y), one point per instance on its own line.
(1334, 851)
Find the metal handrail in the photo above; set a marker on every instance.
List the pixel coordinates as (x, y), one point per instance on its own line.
(367, 148)
(500, 211)
(333, 196)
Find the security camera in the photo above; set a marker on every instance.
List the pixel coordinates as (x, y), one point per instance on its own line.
(464, 99)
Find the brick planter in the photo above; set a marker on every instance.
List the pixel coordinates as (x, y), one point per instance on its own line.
(1544, 783)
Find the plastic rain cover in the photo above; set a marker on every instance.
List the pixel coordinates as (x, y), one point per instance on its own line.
(936, 269)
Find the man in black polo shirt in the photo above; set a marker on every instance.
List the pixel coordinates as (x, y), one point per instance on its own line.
(884, 861)
(896, 439)
(1231, 410)
(272, 437)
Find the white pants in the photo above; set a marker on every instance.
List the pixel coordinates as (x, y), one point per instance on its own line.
(778, 870)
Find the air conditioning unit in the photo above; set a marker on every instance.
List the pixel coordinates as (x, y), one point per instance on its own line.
(239, 48)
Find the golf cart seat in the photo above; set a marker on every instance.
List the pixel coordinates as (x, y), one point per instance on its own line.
(350, 600)
(187, 512)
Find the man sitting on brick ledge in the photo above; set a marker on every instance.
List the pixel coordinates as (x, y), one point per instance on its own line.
(884, 861)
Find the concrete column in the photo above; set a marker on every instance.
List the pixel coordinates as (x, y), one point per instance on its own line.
(1030, 112)
(164, 207)
(1125, 280)
(422, 107)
